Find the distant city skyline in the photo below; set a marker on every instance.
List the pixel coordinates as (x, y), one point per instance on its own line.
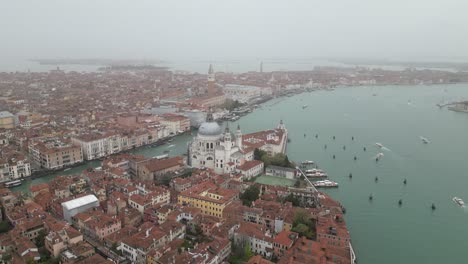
(214, 30)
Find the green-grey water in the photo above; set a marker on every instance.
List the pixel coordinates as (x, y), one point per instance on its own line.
(381, 231)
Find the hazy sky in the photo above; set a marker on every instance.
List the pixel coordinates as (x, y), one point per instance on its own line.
(216, 29)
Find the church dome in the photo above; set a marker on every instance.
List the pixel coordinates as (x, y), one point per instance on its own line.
(209, 129)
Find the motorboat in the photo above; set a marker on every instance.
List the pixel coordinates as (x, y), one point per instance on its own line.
(424, 140)
(379, 145)
(459, 201)
(307, 162)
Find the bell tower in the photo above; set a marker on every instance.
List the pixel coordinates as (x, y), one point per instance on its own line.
(239, 137)
(211, 81)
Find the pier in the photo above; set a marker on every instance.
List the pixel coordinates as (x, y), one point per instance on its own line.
(308, 181)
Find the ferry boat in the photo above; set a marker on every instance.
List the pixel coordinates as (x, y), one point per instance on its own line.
(325, 184)
(459, 201)
(307, 162)
(13, 183)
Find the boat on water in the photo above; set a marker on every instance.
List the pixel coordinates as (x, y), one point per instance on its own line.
(459, 201)
(161, 156)
(307, 162)
(379, 155)
(424, 140)
(67, 169)
(13, 183)
(315, 173)
(304, 106)
(379, 145)
(325, 184)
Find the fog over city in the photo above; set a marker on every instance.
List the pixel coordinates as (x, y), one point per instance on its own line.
(233, 131)
(211, 29)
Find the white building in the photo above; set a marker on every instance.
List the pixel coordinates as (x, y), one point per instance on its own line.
(78, 205)
(259, 239)
(225, 152)
(242, 93)
(94, 146)
(251, 169)
(217, 150)
(14, 167)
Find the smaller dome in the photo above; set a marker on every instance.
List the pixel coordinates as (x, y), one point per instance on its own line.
(209, 129)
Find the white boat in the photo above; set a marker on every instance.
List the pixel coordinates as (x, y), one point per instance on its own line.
(161, 156)
(67, 169)
(317, 175)
(379, 155)
(13, 183)
(459, 201)
(325, 184)
(307, 162)
(424, 140)
(379, 145)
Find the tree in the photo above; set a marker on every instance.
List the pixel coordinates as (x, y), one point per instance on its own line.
(39, 240)
(5, 226)
(303, 224)
(297, 184)
(258, 154)
(247, 252)
(287, 163)
(232, 104)
(250, 194)
(293, 199)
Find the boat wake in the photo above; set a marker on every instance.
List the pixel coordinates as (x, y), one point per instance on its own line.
(386, 149)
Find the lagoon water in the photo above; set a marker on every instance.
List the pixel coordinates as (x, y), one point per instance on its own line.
(396, 116)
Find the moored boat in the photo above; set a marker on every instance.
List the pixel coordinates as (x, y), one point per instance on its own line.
(325, 184)
(13, 183)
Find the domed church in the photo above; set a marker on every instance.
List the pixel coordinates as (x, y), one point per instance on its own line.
(224, 151)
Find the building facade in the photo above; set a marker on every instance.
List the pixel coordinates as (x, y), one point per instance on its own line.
(242, 93)
(7, 120)
(54, 154)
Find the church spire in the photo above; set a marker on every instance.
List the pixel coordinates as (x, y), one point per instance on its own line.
(210, 69)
